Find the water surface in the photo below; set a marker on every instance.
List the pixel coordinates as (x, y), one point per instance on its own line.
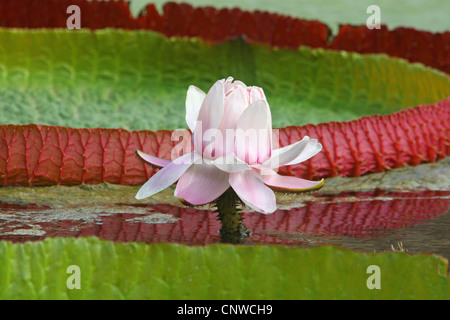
(417, 222)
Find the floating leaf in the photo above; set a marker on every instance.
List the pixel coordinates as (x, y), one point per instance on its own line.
(49, 155)
(139, 80)
(38, 270)
(218, 25)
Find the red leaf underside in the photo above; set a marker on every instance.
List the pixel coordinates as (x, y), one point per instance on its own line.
(39, 155)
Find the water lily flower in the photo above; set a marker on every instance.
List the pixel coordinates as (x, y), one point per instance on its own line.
(223, 124)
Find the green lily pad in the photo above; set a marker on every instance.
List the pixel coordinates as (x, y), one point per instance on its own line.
(39, 270)
(138, 79)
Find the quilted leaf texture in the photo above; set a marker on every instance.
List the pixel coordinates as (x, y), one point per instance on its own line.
(334, 216)
(37, 155)
(216, 25)
(39, 270)
(139, 79)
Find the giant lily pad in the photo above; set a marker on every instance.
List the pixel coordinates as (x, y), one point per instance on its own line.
(139, 80)
(214, 25)
(39, 270)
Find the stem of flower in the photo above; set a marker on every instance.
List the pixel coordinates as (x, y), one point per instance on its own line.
(233, 229)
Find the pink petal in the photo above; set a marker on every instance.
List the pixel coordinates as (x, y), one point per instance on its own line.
(166, 176)
(253, 192)
(201, 184)
(154, 161)
(210, 114)
(212, 141)
(229, 85)
(255, 94)
(290, 184)
(235, 104)
(254, 133)
(194, 100)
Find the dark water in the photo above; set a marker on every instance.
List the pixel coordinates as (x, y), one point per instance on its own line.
(417, 222)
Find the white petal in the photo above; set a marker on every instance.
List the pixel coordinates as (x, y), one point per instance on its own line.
(194, 100)
(254, 133)
(293, 153)
(312, 148)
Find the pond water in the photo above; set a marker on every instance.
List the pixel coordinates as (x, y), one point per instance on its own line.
(417, 222)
